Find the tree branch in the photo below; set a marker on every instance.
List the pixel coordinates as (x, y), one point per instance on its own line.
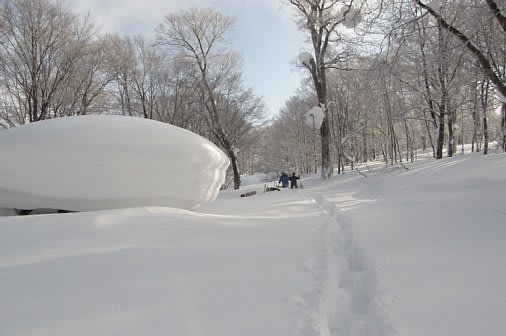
(480, 56)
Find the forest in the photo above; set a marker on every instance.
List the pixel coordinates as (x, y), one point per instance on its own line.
(391, 79)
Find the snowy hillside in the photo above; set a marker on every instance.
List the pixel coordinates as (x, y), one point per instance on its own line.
(402, 252)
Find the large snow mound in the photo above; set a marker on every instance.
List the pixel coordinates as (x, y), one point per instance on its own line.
(104, 162)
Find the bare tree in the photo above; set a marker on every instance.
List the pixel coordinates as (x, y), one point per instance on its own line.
(148, 76)
(297, 138)
(41, 45)
(176, 102)
(321, 19)
(87, 84)
(487, 57)
(199, 36)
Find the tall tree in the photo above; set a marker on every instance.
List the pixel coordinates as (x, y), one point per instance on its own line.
(321, 19)
(199, 36)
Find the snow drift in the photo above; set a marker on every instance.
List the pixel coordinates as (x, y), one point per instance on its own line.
(103, 162)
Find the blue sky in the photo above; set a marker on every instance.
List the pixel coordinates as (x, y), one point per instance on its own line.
(264, 35)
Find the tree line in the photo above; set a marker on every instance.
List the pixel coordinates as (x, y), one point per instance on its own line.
(410, 76)
(392, 77)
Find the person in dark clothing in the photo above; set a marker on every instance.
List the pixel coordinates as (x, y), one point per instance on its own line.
(283, 180)
(293, 181)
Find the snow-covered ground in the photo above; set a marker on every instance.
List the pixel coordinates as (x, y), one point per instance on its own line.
(413, 252)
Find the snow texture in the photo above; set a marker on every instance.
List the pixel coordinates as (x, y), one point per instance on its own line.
(351, 18)
(314, 117)
(417, 251)
(306, 58)
(435, 5)
(103, 162)
(500, 96)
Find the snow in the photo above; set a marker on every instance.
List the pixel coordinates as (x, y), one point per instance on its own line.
(305, 58)
(351, 16)
(500, 96)
(402, 252)
(314, 117)
(103, 162)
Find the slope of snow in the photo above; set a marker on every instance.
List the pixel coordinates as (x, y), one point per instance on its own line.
(101, 162)
(402, 252)
(437, 236)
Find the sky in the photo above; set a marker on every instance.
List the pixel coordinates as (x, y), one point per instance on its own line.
(415, 249)
(264, 35)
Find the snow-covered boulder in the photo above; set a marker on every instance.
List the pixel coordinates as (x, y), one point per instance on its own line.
(104, 162)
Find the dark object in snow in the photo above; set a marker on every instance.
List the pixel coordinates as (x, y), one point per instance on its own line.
(272, 189)
(249, 193)
(23, 212)
(64, 211)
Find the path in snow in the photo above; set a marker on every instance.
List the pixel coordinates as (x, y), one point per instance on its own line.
(347, 299)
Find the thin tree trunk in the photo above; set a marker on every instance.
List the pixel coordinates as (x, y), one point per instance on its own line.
(503, 126)
(485, 88)
(440, 135)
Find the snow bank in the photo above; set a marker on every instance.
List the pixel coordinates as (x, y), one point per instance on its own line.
(104, 162)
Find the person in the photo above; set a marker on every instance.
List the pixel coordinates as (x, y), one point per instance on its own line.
(293, 181)
(283, 179)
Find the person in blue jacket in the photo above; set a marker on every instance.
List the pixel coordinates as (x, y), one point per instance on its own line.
(283, 179)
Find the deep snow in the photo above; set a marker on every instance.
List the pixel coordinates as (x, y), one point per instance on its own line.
(402, 252)
(97, 162)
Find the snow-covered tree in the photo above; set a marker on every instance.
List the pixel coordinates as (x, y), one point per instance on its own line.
(320, 19)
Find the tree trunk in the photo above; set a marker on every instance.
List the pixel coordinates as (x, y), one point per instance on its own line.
(235, 169)
(485, 133)
(451, 135)
(485, 89)
(440, 135)
(503, 126)
(326, 158)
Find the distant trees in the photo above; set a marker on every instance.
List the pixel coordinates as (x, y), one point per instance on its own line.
(483, 39)
(47, 58)
(413, 75)
(416, 75)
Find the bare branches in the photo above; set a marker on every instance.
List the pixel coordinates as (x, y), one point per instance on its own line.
(41, 46)
(479, 54)
(199, 35)
(497, 13)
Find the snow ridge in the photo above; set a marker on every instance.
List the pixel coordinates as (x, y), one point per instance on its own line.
(347, 299)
